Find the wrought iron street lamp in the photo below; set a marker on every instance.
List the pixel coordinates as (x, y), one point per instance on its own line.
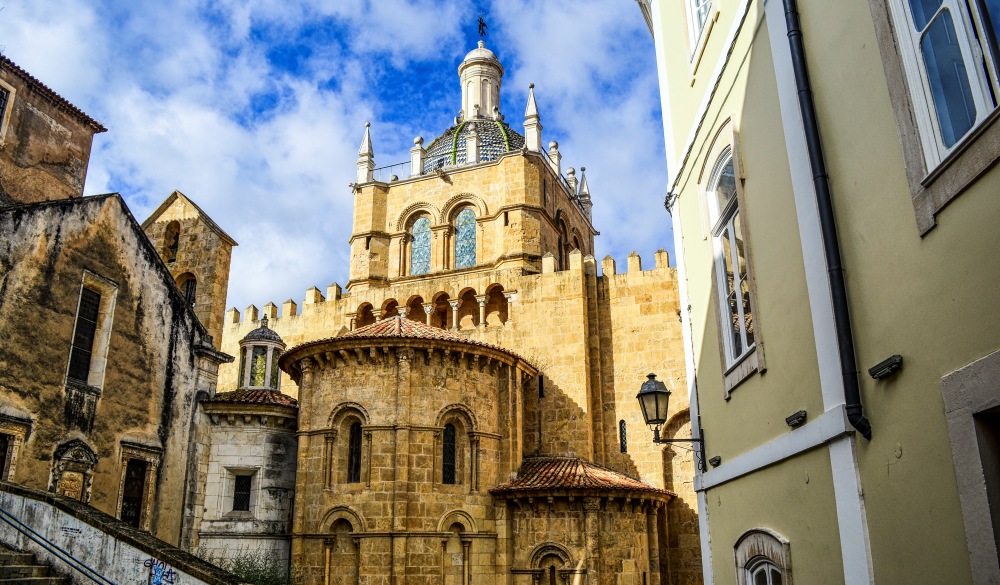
(654, 398)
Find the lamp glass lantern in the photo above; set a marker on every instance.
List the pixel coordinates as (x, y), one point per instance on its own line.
(654, 398)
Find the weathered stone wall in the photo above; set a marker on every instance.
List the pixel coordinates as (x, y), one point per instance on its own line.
(247, 439)
(202, 252)
(515, 228)
(403, 397)
(593, 539)
(152, 372)
(44, 145)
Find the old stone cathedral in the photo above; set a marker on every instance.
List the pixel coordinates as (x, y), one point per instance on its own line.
(462, 411)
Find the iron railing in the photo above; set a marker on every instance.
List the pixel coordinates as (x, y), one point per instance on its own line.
(54, 549)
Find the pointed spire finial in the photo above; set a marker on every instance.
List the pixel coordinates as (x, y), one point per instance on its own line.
(366, 142)
(584, 188)
(532, 110)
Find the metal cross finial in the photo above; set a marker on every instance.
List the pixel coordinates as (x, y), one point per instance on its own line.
(482, 27)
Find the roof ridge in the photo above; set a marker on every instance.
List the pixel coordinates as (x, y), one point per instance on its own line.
(55, 98)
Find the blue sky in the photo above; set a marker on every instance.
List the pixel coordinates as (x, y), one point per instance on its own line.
(255, 109)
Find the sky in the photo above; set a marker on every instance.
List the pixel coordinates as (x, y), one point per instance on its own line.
(255, 109)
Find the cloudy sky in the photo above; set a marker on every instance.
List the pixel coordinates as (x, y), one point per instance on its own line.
(255, 108)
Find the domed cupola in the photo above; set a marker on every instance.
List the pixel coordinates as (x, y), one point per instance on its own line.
(480, 133)
(259, 353)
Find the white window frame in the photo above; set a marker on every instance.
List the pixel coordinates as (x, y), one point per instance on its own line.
(973, 55)
(722, 220)
(8, 109)
(697, 29)
(108, 290)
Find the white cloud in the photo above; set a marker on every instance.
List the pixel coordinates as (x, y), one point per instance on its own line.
(180, 85)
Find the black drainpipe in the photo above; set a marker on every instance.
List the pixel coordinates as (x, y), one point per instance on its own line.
(821, 181)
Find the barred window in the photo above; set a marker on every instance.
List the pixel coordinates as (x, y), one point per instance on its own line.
(241, 493)
(354, 454)
(623, 440)
(448, 463)
(83, 337)
(133, 492)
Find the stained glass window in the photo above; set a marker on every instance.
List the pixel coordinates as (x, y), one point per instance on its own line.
(275, 371)
(465, 238)
(258, 366)
(420, 246)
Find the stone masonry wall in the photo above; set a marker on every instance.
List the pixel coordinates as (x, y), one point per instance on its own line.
(44, 150)
(151, 376)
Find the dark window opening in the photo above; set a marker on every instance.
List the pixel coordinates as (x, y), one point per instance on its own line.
(190, 290)
(4, 97)
(241, 493)
(988, 436)
(83, 338)
(448, 464)
(506, 218)
(621, 436)
(541, 386)
(173, 240)
(368, 242)
(133, 492)
(354, 454)
(4, 449)
(552, 575)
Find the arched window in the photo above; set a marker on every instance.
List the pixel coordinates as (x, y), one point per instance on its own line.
(465, 238)
(763, 572)
(448, 459)
(731, 267)
(173, 239)
(189, 287)
(354, 454)
(420, 246)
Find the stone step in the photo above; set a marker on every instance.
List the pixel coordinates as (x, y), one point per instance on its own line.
(9, 557)
(35, 581)
(14, 571)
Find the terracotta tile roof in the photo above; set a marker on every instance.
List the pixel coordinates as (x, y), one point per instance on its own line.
(257, 396)
(571, 473)
(60, 102)
(402, 328)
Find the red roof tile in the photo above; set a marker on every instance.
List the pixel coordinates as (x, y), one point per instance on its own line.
(55, 98)
(258, 396)
(401, 328)
(571, 473)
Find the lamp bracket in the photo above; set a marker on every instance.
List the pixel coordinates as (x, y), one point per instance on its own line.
(699, 443)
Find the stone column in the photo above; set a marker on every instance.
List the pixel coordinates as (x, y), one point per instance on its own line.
(328, 460)
(428, 310)
(481, 299)
(652, 537)
(510, 305)
(466, 561)
(454, 314)
(592, 537)
(402, 310)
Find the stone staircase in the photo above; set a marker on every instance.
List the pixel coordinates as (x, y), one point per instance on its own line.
(21, 569)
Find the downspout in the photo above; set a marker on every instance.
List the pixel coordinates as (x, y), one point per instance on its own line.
(828, 223)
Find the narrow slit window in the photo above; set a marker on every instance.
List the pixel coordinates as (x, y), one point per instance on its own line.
(354, 454)
(133, 492)
(622, 438)
(448, 463)
(83, 338)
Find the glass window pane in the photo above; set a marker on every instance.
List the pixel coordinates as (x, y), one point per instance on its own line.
(990, 12)
(420, 246)
(275, 370)
(734, 314)
(465, 238)
(448, 455)
(760, 577)
(725, 187)
(258, 365)
(354, 454)
(775, 576)
(727, 260)
(948, 78)
(923, 11)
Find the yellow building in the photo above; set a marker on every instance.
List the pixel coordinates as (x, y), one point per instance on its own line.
(834, 202)
(465, 405)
